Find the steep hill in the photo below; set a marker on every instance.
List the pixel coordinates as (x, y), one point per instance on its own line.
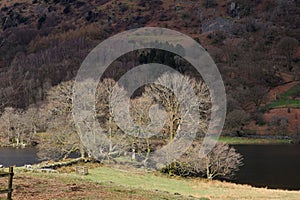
(255, 44)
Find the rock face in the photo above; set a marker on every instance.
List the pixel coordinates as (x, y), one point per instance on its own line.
(218, 24)
(233, 9)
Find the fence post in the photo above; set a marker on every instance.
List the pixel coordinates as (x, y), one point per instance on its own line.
(10, 183)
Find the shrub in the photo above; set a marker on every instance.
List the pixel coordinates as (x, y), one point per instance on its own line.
(67, 9)
(178, 168)
(210, 3)
(217, 37)
(41, 20)
(279, 124)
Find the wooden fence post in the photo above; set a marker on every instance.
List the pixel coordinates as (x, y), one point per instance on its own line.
(10, 175)
(10, 183)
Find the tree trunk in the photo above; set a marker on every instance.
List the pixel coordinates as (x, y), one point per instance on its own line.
(18, 138)
(208, 174)
(110, 134)
(171, 128)
(17, 141)
(148, 152)
(82, 151)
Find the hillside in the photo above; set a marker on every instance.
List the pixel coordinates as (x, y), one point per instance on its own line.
(255, 45)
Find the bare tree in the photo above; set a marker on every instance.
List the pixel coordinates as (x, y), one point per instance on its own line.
(279, 124)
(34, 121)
(221, 162)
(61, 137)
(21, 126)
(235, 121)
(14, 126)
(230, 52)
(6, 125)
(258, 95)
(3, 100)
(296, 135)
(108, 94)
(60, 140)
(144, 113)
(171, 103)
(287, 47)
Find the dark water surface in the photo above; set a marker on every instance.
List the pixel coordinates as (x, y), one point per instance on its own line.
(272, 166)
(19, 157)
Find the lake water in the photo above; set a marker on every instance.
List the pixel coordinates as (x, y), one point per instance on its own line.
(272, 166)
(19, 157)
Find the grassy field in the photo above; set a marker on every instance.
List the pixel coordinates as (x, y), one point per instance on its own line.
(199, 188)
(112, 182)
(246, 140)
(107, 182)
(121, 182)
(28, 186)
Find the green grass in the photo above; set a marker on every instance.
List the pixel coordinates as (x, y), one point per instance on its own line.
(246, 140)
(120, 182)
(292, 92)
(140, 179)
(200, 188)
(100, 190)
(287, 99)
(284, 103)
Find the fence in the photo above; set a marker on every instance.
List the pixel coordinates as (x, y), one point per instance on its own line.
(10, 175)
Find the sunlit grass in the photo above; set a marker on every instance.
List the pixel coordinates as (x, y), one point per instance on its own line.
(287, 99)
(201, 188)
(140, 179)
(246, 140)
(285, 103)
(121, 182)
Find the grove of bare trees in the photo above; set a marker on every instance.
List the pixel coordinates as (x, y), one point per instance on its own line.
(52, 126)
(19, 127)
(221, 162)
